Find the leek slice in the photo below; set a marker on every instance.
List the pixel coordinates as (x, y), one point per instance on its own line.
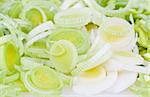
(43, 11)
(42, 81)
(63, 55)
(35, 19)
(12, 8)
(9, 56)
(119, 33)
(99, 58)
(79, 38)
(73, 17)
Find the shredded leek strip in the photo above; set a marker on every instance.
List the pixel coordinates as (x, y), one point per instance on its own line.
(5, 39)
(73, 17)
(66, 79)
(109, 12)
(11, 78)
(36, 38)
(100, 57)
(40, 61)
(37, 52)
(79, 4)
(28, 64)
(68, 3)
(39, 29)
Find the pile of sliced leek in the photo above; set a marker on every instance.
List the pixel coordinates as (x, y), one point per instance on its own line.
(88, 46)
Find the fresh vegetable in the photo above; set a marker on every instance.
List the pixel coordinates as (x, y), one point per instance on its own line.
(88, 46)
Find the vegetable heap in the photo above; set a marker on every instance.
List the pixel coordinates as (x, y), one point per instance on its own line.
(88, 46)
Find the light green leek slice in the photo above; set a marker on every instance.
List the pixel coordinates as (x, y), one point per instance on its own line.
(11, 8)
(9, 56)
(15, 9)
(43, 81)
(63, 55)
(45, 78)
(79, 38)
(35, 18)
(73, 17)
(43, 11)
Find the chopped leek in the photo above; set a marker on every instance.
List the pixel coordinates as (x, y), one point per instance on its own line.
(90, 46)
(78, 37)
(63, 55)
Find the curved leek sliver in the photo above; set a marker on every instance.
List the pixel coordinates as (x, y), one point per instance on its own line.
(24, 26)
(109, 12)
(37, 52)
(42, 80)
(36, 62)
(63, 55)
(27, 64)
(15, 9)
(67, 3)
(73, 17)
(9, 23)
(11, 78)
(36, 38)
(9, 56)
(100, 57)
(5, 39)
(39, 29)
(78, 37)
